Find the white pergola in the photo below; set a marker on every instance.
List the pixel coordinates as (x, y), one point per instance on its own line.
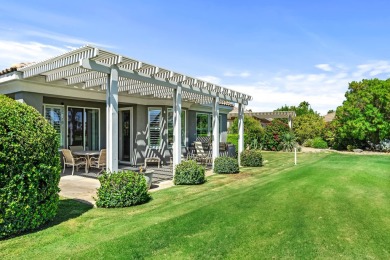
(98, 70)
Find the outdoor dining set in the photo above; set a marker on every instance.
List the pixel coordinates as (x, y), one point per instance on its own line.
(77, 157)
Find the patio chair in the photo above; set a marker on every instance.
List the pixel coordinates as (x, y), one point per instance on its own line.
(201, 155)
(98, 162)
(70, 160)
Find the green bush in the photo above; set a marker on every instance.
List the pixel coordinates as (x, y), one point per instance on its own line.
(308, 143)
(233, 139)
(122, 189)
(29, 168)
(189, 172)
(318, 142)
(226, 165)
(251, 158)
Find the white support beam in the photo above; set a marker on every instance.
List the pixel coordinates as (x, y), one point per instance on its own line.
(112, 120)
(241, 109)
(131, 74)
(176, 148)
(215, 128)
(290, 122)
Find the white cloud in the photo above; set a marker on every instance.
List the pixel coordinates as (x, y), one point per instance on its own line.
(244, 74)
(211, 79)
(12, 52)
(324, 67)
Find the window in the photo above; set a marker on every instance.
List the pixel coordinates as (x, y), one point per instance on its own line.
(154, 127)
(170, 127)
(202, 124)
(83, 127)
(55, 115)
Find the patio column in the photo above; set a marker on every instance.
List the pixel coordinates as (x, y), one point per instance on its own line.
(241, 108)
(215, 128)
(112, 120)
(290, 121)
(176, 148)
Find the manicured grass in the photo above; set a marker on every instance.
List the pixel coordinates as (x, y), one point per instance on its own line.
(328, 206)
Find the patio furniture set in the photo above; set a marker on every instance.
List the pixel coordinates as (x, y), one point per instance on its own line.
(77, 157)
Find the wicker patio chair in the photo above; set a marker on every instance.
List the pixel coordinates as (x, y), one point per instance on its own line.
(74, 162)
(98, 162)
(202, 156)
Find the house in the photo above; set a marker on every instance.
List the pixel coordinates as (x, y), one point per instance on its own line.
(99, 99)
(263, 118)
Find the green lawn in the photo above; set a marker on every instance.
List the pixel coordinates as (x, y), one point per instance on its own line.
(328, 206)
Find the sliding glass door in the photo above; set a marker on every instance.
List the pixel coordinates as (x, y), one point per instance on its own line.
(83, 127)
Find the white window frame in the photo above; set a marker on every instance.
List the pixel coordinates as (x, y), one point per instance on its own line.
(63, 120)
(209, 122)
(67, 126)
(160, 124)
(183, 141)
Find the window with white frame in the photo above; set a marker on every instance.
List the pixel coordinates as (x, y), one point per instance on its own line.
(170, 127)
(202, 124)
(154, 135)
(84, 127)
(55, 115)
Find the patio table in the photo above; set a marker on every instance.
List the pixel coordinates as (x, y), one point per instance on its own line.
(87, 155)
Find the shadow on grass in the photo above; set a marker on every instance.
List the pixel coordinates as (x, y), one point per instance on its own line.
(67, 209)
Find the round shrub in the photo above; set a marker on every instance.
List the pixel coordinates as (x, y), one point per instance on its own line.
(318, 142)
(189, 172)
(122, 189)
(29, 168)
(226, 165)
(251, 158)
(308, 143)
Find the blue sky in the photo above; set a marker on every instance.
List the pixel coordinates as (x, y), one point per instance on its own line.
(280, 52)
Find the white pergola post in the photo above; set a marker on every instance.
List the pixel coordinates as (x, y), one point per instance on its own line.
(290, 121)
(112, 120)
(241, 108)
(215, 128)
(176, 148)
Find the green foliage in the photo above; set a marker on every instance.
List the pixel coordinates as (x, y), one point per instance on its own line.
(302, 109)
(363, 118)
(318, 142)
(189, 172)
(122, 189)
(252, 130)
(226, 165)
(29, 168)
(233, 139)
(308, 126)
(308, 143)
(273, 133)
(288, 142)
(251, 158)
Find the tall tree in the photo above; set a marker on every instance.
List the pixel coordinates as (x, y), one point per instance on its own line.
(364, 117)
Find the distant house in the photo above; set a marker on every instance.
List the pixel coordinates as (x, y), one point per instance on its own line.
(264, 118)
(99, 99)
(329, 117)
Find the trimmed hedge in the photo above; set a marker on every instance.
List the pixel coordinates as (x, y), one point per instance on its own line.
(226, 165)
(189, 172)
(122, 189)
(251, 158)
(29, 168)
(318, 142)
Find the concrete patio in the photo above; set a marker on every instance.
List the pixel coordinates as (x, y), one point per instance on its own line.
(82, 186)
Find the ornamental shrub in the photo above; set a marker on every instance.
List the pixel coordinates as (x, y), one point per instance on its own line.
(226, 165)
(122, 189)
(251, 158)
(273, 135)
(189, 172)
(29, 168)
(318, 142)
